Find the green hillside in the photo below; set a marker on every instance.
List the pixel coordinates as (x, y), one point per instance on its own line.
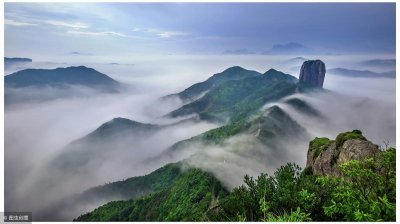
(232, 73)
(237, 99)
(188, 199)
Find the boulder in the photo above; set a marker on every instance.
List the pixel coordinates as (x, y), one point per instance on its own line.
(324, 156)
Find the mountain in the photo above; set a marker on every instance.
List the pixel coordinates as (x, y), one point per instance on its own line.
(312, 73)
(297, 59)
(117, 135)
(361, 73)
(196, 90)
(119, 138)
(303, 107)
(190, 196)
(61, 77)
(17, 60)
(290, 194)
(380, 63)
(236, 99)
(10, 62)
(289, 49)
(273, 127)
(117, 127)
(130, 188)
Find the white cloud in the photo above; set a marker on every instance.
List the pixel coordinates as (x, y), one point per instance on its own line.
(91, 33)
(171, 34)
(160, 33)
(75, 26)
(11, 22)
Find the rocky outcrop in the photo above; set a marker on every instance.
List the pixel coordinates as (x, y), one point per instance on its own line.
(312, 73)
(324, 156)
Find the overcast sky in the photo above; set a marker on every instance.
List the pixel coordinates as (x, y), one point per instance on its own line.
(109, 29)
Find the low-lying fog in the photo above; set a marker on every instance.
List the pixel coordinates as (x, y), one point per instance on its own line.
(36, 132)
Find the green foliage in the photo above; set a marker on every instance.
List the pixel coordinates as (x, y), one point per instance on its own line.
(318, 145)
(188, 199)
(296, 216)
(262, 197)
(342, 137)
(135, 187)
(366, 191)
(217, 135)
(232, 73)
(112, 209)
(191, 196)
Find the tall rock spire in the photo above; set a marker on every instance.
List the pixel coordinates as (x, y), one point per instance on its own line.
(313, 73)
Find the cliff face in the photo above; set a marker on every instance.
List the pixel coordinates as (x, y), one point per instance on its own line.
(324, 155)
(313, 73)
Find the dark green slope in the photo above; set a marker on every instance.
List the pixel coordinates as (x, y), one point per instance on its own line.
(61, 77)
(237, 99)
(130, 188)
(233, 73)
(187, 199)
(136, 186)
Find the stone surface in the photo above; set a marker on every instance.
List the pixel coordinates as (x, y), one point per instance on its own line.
(328, 161)
(313, 73)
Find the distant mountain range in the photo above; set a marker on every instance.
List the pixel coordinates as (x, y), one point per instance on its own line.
(381, 62)
(61, 77)
(10, 62)
(361, 73)
(17, 60)
(298, 59)
(289, 49)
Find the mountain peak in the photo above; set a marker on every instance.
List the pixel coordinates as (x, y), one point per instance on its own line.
(120, 121)
(313, 73)
(271, 70)
(62, 76)
(76, 68)
(233, 69)
(289, 48)
(278, 75)
(119, 125)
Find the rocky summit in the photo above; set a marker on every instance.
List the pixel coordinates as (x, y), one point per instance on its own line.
(312, 73)
(324, 156)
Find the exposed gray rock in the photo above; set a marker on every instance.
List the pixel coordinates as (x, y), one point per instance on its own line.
(313, 73)
(330, 156)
